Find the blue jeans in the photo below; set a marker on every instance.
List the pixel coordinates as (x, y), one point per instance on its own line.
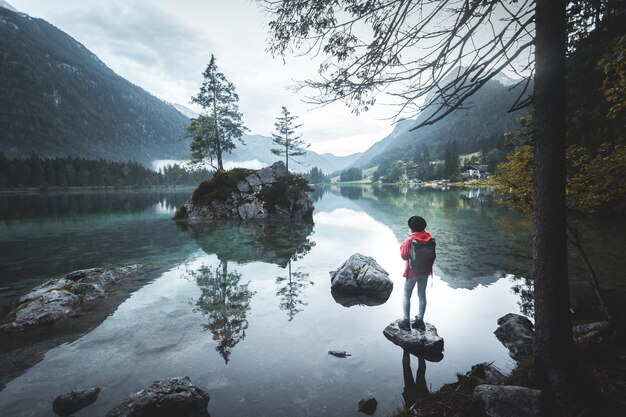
(409, 284)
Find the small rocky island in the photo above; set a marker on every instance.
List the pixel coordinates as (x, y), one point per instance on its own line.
(268, 193)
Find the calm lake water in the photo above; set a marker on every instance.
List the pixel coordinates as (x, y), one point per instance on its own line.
(245, 309)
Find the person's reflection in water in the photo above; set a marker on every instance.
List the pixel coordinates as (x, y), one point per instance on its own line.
(414, 388)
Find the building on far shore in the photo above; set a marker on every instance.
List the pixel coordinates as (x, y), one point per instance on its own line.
(474, 172)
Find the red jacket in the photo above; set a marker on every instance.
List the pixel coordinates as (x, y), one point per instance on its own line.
(405, 247)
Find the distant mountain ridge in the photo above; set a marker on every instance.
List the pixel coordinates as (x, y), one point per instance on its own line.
(58, 99)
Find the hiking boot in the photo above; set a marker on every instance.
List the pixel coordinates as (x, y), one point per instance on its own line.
(418, 324)
(405, 325)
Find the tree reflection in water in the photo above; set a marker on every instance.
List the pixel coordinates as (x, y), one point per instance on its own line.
(226, 302)
(291, 289)
(525, 289)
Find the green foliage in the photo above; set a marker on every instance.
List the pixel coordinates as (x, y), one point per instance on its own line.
(59, 99)
(78, 172)
(394, 173)
(523, 374)
(220, 187)
(613, 65)
(213, 134)
(595, 180)
(283, 192)
(351, 174)
(316, 176)
(451, 161)
(290, 145)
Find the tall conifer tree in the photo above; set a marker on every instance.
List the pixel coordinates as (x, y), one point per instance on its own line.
(212, 134)
(290, 143)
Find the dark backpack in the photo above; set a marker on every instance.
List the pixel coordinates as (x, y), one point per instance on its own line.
(422, 255)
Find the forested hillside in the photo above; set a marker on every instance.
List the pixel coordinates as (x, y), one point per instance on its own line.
(59, 99)
(480, 125)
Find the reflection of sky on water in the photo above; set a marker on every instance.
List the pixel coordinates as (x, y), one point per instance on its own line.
(281, 367)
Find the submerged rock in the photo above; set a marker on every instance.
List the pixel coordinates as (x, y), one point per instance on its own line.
(269, 193)
(63, 297)
(339, 353)
(70, 402)
(509, 401)
(517, 334)
(368, 406)
(169, 397)
(424, 343)
(361, 275)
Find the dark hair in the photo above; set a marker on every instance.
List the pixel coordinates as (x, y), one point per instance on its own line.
(417, 223)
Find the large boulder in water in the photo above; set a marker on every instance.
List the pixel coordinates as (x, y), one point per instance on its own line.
(424, 342)
(517, 334)
(173, 397)
(64, 296)
(269, 193)
(361, 275)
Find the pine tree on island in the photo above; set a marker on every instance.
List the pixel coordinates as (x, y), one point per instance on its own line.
(213, 132)
(290, 143)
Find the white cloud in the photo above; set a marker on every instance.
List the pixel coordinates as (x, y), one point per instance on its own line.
(165, 46)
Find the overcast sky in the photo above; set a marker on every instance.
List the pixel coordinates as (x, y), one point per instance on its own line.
(164, 46)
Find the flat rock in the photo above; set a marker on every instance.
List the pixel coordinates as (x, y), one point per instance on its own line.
(173, 397)
(361, 275)
(64, 296)
(70, 402)
(509, 401)
(517, 334)
(421, 342)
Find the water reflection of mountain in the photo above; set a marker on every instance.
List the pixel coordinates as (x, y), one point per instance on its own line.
(477, 241)
(243, 242)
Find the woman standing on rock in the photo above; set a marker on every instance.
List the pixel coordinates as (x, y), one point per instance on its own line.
(418, 250)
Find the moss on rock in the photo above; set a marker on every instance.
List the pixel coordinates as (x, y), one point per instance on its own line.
(220, 187)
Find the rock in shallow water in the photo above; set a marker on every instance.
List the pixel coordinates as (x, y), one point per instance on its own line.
(173, 397)
(70, 402)
(361, 275)
(423, 342)
(517, 334)
(368, 406)
(62, 297)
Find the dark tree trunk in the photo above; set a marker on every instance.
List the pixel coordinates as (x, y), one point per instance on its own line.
(554, 349)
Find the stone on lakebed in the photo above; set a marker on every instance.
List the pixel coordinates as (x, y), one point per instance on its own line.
(169, 397)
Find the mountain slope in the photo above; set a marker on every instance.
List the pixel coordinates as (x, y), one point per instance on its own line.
(59, 99)
(480, 124)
